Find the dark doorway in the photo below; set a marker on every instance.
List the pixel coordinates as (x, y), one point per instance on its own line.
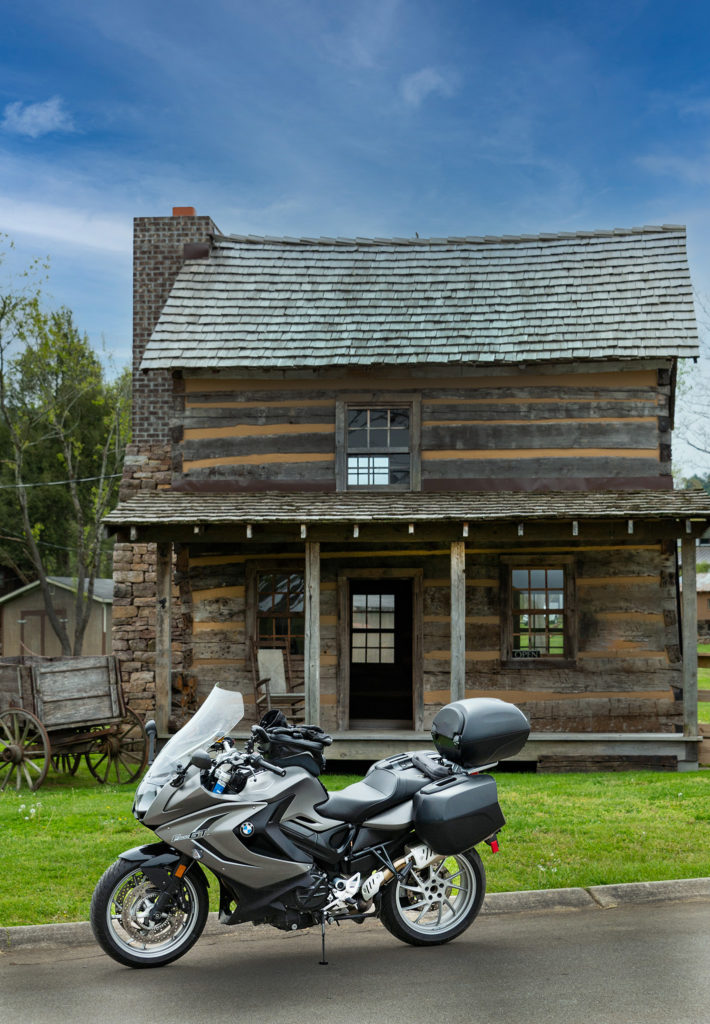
(380, 613)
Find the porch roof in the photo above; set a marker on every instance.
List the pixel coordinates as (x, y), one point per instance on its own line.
(170, 508)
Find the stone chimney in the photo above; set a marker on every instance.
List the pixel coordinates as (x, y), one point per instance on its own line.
(158, 254)
(160, 246)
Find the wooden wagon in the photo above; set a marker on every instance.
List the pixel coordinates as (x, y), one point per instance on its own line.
(56, 711)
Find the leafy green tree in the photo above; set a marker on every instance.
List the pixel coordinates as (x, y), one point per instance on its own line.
(63, 431)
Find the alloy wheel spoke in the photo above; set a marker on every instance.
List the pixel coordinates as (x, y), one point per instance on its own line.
(412, 888)
(447, 875)
(421, 913)
(422, 903)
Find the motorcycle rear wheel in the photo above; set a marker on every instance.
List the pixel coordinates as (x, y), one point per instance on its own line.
(120, 905)
(437, 903)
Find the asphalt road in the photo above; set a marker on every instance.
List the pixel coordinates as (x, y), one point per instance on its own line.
(632, 965)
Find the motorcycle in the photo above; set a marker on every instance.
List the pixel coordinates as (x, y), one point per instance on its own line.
(398, 845)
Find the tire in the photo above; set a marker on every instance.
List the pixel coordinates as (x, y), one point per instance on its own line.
(434, 905)
(123, 893)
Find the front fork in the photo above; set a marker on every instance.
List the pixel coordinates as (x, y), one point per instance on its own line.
(169, 885)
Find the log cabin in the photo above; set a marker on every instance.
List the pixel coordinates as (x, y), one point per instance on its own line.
(429, 468)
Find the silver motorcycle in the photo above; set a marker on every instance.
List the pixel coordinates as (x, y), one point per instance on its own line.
(398, 845)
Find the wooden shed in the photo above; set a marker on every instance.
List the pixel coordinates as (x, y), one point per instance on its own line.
(429, 468)
(24, 624)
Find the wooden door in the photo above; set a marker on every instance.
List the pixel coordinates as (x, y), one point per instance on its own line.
(380, 652)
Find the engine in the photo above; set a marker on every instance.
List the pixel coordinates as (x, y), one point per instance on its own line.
(314, 894)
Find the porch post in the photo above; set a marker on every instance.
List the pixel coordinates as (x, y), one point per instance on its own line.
(690, 638)
(458, 619)
(163, 647)
(312, 615)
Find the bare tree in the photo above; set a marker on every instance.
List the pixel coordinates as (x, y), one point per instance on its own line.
(692, 426)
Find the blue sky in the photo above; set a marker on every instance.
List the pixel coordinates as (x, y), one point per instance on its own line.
(309, 117)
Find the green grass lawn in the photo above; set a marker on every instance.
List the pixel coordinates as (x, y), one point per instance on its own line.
(563, 830)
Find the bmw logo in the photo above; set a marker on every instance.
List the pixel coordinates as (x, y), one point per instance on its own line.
(246, 828)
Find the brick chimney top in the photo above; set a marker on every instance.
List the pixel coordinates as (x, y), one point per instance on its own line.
(183, 211)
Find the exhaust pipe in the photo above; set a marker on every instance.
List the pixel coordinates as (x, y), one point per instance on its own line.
(421, 856)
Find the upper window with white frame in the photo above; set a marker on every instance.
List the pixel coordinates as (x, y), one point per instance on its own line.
(378, 446)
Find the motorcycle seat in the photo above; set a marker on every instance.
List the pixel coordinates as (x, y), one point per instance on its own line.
(377, 792)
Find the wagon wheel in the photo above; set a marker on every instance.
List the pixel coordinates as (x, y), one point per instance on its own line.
(67, 763)
(24, 750)
(119, 753)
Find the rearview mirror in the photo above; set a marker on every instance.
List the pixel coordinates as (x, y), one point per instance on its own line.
(201, 759)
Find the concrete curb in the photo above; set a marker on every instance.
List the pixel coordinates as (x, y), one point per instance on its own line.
(608, 896)
(76, 933)
(602, 897)
(596, 897)
(538, 899)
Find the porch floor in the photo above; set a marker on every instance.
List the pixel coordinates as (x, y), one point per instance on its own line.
(372, 745)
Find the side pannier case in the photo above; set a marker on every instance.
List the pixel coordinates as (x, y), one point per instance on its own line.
(479, 731)
(453, 814)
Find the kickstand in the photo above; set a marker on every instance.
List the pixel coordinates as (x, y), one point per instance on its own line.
(322, 962)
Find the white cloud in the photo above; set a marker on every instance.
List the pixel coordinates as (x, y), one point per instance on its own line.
(35, 119)
(697, 106)
(695, 170)
(71, 226)
(364, 34)
(416, 87)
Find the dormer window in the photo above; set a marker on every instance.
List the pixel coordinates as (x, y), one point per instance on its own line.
(378, 445)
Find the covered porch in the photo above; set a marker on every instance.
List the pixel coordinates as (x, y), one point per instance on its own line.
(454, 552)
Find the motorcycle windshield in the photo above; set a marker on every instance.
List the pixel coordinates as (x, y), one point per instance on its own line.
(219, 714)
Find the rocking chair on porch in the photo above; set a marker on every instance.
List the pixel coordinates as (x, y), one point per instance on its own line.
(275, 685)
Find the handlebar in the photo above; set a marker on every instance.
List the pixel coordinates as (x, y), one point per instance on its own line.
(286, 738)
(299, 744)
(259, 762)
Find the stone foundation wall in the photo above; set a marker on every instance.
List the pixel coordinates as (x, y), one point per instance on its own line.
(134, 625)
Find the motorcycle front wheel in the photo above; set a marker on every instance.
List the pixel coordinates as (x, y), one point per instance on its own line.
(437, 903)
(120, 909)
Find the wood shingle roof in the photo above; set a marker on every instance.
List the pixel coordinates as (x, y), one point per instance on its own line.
(168, 508)
(279, 303)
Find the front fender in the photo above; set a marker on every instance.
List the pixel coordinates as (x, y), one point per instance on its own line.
(158, 860)
(153, 854)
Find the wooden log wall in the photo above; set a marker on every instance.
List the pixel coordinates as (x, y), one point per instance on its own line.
(627, 675)
(596, 430)
(213, 592)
